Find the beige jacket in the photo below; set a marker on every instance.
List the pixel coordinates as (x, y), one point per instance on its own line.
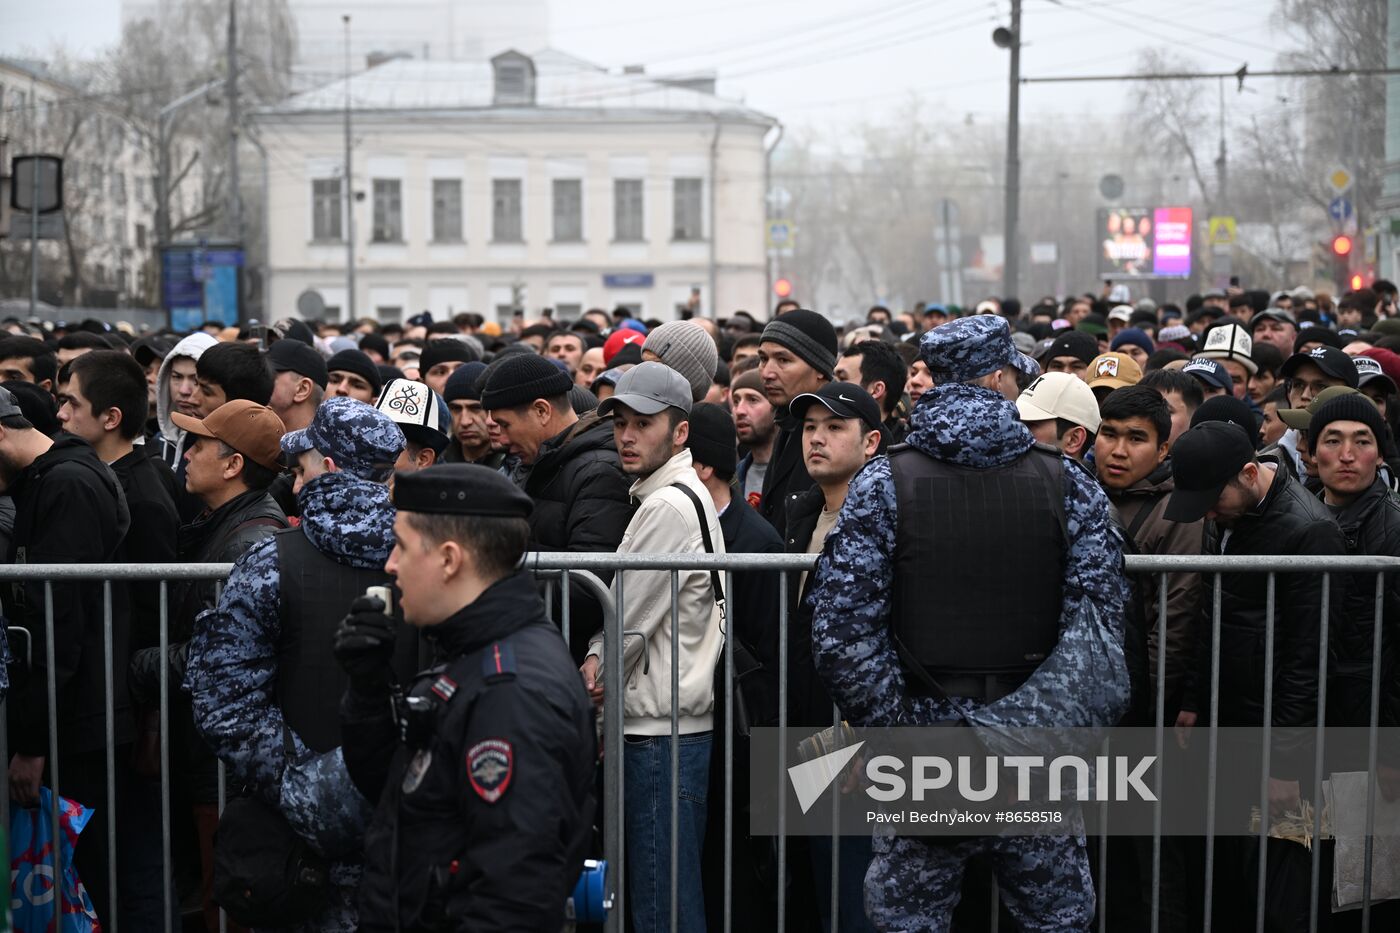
(665, 523)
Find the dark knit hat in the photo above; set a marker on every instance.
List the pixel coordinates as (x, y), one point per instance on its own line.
(520, 379)
(375, 342)
(355, 361)
(713, 441)
(1350, 407)
(445, 350)
(464, 383)
(807, 334)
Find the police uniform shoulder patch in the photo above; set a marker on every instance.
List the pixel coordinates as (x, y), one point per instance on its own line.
(490, 764)
(498, 662)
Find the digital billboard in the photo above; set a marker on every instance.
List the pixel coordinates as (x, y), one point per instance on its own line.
(1144, 242)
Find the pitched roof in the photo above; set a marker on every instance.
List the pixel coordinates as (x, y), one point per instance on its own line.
(563, 85)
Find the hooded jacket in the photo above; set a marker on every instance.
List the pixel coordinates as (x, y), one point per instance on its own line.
(69, 508)
(851, 594)
(581, 504)
(1153, 534)
(666, 523)
(232, 679)
(172, 438)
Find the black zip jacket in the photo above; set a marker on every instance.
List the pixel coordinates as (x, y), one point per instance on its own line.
(69, 509)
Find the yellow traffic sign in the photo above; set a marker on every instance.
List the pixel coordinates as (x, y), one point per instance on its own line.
(1340, 180)
(1222, 231)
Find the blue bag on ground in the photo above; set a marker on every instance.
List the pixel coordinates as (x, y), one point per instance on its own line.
(31, 868)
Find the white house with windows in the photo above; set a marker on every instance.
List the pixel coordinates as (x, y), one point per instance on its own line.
(522, 182)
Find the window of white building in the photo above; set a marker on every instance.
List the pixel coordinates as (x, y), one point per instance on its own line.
(388, 211)
(506, 210)
(568, 210)
(688, 209)
(447, 210)
(627, 210)
(325, 209)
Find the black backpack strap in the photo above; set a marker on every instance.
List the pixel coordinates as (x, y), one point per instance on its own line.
(1142, 515)
(705, 536)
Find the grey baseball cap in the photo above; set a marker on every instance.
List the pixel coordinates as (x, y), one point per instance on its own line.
(649, 388)
(9, 405)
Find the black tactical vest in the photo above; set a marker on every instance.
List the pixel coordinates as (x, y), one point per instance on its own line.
(316, 591)
(979, 563)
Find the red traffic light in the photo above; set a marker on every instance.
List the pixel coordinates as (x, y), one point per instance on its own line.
(782, 288)
(1357, 282)
(1341, 245)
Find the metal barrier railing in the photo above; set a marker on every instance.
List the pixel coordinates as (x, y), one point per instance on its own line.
(566, 568)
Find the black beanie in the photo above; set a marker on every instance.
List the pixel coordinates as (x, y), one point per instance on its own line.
(1350, 407)
(713, 442)
(807, 334)
(355, 361)
(519, 379)
(445, 350)
(464, 383)
(375, 342)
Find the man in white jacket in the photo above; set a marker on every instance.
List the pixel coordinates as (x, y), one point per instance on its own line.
(650, 412)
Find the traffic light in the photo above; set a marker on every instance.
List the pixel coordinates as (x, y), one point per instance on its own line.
(1356, 282)
(782, 288)
(1342, 251)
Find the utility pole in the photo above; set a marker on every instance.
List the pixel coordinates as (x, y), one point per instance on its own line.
(34, 203)
(235, 193)
(1011, 264)
(1222, 192)
(349, 194)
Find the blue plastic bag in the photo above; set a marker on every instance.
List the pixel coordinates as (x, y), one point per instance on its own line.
(31, 868)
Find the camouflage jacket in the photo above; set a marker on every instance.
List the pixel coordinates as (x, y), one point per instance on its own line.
(232, 673)
(850, 598)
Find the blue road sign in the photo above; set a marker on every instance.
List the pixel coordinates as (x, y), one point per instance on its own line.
(1340, 210)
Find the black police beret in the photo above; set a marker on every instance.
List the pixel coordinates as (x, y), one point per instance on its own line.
(460, 489)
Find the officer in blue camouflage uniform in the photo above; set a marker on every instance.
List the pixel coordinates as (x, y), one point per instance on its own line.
(913, 883)
(341, 462)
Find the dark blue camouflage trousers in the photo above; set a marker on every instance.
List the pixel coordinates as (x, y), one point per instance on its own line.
(1044, 881)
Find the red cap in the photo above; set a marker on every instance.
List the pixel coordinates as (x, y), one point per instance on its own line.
(1389, 360)
(617, 341)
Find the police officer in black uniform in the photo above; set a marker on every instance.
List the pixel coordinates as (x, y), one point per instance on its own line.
(483, 766)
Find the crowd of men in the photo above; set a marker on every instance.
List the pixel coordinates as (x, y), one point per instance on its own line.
(326, 461)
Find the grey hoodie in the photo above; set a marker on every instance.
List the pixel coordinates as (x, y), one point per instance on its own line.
(172, 438)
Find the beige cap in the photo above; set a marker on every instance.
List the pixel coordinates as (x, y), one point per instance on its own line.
(1060, 395)
(1113, 371)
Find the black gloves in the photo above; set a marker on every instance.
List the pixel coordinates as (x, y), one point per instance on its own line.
(364, 643)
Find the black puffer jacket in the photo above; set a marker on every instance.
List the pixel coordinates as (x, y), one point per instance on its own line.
(1371, 525)
(1291, 522)
(581, 504)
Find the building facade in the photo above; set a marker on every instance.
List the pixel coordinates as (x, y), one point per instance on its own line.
(521, 183)
(103, 250)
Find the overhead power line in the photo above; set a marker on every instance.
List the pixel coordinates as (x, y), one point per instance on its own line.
(1239, 74)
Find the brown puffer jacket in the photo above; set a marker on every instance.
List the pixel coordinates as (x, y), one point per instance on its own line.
(1140, 510)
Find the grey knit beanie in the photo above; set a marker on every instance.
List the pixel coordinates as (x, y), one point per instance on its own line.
(688, 349)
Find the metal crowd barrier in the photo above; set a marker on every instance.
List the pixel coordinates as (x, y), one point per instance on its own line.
(562, 569)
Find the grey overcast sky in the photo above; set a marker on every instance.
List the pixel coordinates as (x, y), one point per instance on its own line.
(830, 63)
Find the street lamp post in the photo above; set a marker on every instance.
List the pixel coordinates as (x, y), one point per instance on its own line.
(163, 118)
(1011, 39)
